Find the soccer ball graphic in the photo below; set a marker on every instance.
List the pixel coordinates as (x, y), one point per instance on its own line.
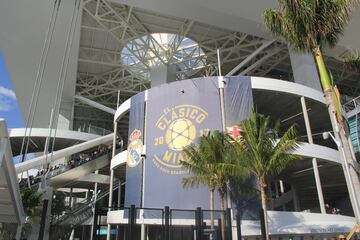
(180, 133)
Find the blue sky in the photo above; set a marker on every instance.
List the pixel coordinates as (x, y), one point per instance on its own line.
(9, 108)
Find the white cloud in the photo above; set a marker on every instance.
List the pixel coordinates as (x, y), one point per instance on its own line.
(7, 99)
(6, 92)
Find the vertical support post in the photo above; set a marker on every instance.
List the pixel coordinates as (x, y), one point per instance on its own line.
(119, 195)
(221, 86)
(118, 205)
(192, 232)
(70, 198)
(314, 161)
(93, 224)
(295, 199)
(167, 223)
(262, 224)
(43, 219)
(228, 224)
(281, 183)
(198, 223)
(219, 236)
(238, 226)
(18, 232)
(111, 186)
(132, 221)
(142, 197)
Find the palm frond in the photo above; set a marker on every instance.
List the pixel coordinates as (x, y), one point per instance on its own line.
(352, 62)
(211, 162)
(307, 24)
(260, 149)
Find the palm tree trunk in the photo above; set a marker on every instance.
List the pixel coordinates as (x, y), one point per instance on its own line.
(330, 99)
(222, 216)
(212, 207)
(264, 206)
(324, 76)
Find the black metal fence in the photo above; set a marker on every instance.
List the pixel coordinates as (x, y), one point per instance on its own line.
(167, 224)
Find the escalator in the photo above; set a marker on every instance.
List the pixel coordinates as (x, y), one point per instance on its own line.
(80, 213)
(66, 174)
(71, 173)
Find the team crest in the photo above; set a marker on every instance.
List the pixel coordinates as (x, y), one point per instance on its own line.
(179, 128)
(135, 149)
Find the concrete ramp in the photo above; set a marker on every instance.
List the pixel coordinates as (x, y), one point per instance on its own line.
(11, 208)
(76, 173)
(42, 160)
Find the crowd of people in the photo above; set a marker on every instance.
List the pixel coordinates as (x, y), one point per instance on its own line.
(75, 161)
(79, 158)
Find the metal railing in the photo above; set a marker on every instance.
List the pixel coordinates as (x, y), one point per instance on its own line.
(352, 104)
(174, 224)
(79, 208)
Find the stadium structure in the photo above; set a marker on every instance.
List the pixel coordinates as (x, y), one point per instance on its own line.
(111, 91)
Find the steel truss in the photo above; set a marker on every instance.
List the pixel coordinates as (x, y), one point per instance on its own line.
(108, 63)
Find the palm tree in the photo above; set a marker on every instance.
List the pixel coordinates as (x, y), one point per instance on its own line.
(31, 199)
(211, 164)
(307, 26)
(263, 153)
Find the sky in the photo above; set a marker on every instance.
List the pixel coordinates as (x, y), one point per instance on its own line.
(9, 108)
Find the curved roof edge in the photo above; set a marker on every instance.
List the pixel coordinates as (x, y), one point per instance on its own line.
(259, 83)
(60, 133)
(276, 85)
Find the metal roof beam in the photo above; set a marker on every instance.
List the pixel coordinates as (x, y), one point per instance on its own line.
(95, 104)
(251, 56)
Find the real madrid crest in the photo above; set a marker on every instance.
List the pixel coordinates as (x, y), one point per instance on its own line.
(135, 149)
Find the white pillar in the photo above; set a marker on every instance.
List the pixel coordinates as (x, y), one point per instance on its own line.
(162, 73)
(70, 198)
(94, 208)
(119, 195)
(87, 194)
(49, 192)
(281, 183)
(72, 235)
(314, 161)
(111, 186)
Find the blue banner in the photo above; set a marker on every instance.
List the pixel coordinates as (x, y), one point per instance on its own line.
(135, 142)
(177, 114)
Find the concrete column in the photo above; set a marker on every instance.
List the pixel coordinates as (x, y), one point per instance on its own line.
(65, 114)
(119, 195)
(304, 69)
(72, 235)
(111, 180)
(87, 194)
(314, 161)
(162, 73)
(18, 232)
(48, 213)
(118, 205)
(70, 198)
(295, 200)
(281, 183)
(94, 208)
